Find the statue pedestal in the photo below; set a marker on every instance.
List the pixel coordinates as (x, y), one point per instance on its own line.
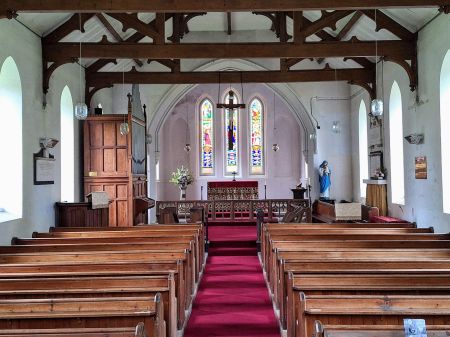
(299, 193)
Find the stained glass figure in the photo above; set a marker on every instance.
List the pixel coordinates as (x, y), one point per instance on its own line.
(257, 137)
(207, 137)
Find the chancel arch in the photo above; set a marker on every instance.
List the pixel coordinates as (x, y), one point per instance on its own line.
(291, 148)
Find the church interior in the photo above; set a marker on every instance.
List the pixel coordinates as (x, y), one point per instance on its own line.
(225, 168)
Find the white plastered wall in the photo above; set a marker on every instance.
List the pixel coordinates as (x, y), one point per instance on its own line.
(423, 198)
(38, 200)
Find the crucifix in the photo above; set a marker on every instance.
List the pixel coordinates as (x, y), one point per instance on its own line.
(231, 106)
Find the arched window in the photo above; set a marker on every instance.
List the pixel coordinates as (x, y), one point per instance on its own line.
(396, 145)
(11, 180)
(363, 155)
(207, 137)
(445, 135)
(256, 118)
(231, 138)
(67, 147)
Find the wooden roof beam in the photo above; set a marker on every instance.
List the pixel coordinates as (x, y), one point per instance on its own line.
(106, 78)
(114, 33)
(327, 20)
(346, 29)
(353, 48)
(187, 6)
(131, 21)
(71, 25)
(384, 21)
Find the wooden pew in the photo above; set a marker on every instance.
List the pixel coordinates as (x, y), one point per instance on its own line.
(137, 331)
(93, 287)
(364, 284)
(197, 233)
(111, 269)
(142, 227)
(350, 236)
(333, 330)
(279, 275)
(365, 309)
(103, 257)
(84, 313)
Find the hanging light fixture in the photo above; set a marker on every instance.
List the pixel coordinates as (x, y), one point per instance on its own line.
(275, 146)
(187, 146)
(81, 109)
(124, 127)
(376, 107)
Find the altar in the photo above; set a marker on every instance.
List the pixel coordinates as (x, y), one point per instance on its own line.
(232, 190)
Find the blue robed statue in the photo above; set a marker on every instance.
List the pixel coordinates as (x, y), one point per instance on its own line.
(324, 180)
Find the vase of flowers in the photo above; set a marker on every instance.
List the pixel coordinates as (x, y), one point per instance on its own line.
(182, 178)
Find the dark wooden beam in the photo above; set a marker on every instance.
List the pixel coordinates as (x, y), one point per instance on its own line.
(328, 37)
(350, 24)
(71, 25)
(160, 28)
(206, 5)
(353, 48)
(131, 21)
(114, 33)
(327, 20)
(299, 34)
(173, 65)
(384, 21)
(104, 78)
(229, 23)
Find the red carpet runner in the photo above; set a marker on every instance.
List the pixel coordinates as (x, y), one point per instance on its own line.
(232, 299)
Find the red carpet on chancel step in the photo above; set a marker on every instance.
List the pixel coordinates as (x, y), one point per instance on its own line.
(232, 300)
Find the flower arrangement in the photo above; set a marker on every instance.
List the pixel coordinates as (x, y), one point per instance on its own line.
(182, 177)
(380, 173)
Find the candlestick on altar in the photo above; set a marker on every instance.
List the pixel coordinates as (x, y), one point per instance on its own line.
(265, 191)
(201, 192)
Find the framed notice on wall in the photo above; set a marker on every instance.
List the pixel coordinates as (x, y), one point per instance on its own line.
(44, 170)
(421, 167)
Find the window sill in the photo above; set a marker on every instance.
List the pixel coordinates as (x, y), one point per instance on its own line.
(5, 216)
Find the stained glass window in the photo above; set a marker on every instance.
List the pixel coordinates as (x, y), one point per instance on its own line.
(231, 138)
(256, 118)
(207, 135)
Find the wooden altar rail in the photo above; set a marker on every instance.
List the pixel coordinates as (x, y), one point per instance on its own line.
(274, 209)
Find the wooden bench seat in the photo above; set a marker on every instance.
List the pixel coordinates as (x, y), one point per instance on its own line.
(103, 256)
(110, 269)
(86, 287)
(278, 277)
(102, 312)
(366, 330)
(339, 284)
(137, 331)
(323, 245)
(197, 233)
(361, 309)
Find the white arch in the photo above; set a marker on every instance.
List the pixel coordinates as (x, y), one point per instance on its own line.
(177, 92)
(67, 146)
(445, 138)
(363, 152)
(11, 170)
(396, 145)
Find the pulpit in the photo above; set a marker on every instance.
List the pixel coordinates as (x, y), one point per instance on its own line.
(232, 190)
(376, 195)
